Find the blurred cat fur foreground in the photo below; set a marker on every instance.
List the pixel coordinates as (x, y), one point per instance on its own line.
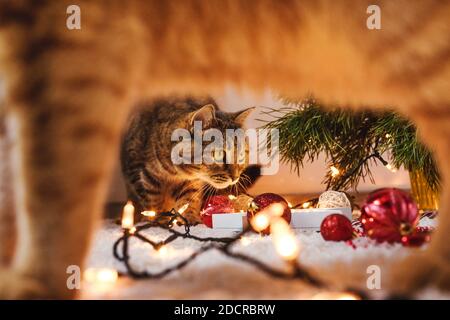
(68, 94)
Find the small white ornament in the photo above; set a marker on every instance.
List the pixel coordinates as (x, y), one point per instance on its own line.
(333, 199)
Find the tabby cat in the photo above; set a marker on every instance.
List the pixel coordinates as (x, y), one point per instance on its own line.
(153, 181)
(67, 95)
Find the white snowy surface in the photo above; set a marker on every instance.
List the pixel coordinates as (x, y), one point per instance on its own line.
(214, 276)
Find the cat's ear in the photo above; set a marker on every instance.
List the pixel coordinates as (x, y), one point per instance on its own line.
(205, 114)
(241, 116)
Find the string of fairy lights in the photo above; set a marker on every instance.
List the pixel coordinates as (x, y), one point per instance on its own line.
(284, 241)
(335, 172)
(283, 238)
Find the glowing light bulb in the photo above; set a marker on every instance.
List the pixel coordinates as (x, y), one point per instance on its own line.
(334, 171)
(128, 216)
(289, 205)
(260, 221)
(284, 239)
(162, 251)
(275, 210)
(100, 276)
(287, 248)
(245, 241)
(391, 168)
(306, 205)
(347, 296)
(183, 208)
(335, 296)
(149, 213)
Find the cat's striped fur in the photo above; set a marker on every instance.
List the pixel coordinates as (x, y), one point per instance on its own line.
(68, 94)
(153, 181)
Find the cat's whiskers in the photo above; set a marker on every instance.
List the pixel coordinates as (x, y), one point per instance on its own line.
(240, 185)
(197, 193)
(236, 188)
(208, 191)
(245, 180)
(211, 191)
(205, 189)
(191, 183)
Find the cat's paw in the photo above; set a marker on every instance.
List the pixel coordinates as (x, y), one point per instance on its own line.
(417, 272)
(14, 285)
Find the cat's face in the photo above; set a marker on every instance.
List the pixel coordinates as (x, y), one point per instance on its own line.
(222, 175)
(228, 161)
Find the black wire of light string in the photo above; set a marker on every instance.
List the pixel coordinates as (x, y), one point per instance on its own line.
(121, 251)
(344, 178)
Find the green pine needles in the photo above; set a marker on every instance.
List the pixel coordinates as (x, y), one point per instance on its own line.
(351, 142)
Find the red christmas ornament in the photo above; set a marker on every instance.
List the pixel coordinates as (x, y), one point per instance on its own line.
(417, 238)
(215, 205)
(389, 215)
(264, 200)
(336, 227)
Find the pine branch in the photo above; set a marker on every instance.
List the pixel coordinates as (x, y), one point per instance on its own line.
(349, 140)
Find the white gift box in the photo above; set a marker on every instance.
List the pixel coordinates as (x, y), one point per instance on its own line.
(309, 219)
(312, 218)
(233, 221)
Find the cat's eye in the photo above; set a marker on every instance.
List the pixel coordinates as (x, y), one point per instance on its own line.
(218, 155)
(241, 157)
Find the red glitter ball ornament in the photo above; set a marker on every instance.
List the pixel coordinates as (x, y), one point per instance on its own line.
(215, 205)
(416, 239)
(264, 200)
(389, 215)
(336, 227)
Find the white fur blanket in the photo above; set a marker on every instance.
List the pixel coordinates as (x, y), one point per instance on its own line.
(214, 276)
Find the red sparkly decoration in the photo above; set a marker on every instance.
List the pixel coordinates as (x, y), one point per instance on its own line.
(264, 200)
(214, 205)
(336, 227)
(390, 215)
(417, 238)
